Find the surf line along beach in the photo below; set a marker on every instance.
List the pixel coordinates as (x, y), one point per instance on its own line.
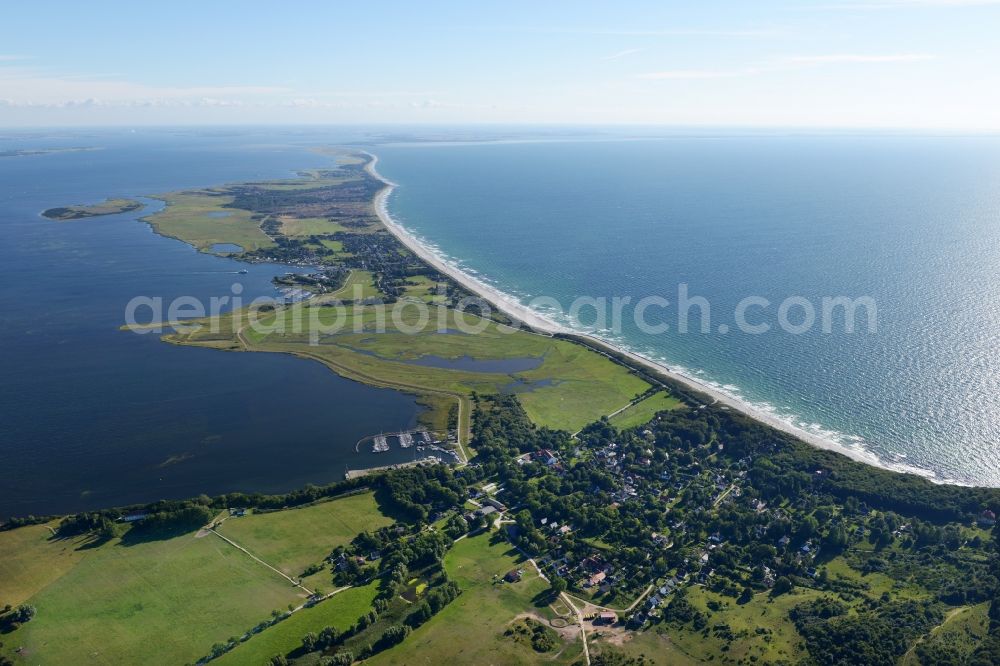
(536, 323)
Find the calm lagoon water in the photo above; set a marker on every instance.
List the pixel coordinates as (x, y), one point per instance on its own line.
(91, 416)
(913, 222)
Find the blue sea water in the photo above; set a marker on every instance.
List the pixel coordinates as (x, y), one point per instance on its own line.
(91, 416)
(911, 222)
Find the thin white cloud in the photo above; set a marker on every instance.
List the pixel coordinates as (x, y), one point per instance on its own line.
(621, 54)
(785, 63)
(835, 58)
(26, 86)
(693, 74)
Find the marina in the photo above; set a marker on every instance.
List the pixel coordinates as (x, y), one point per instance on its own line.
(419, 438)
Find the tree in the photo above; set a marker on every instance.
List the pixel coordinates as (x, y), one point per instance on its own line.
(393, 635)
(277, 660)
(329, 636)
(782, 586)
(558, 585)
(422, 613)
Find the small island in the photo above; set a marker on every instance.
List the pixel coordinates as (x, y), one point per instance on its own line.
(31, 152)
(106, 207)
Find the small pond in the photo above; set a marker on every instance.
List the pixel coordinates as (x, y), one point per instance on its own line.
(225, 248)
(470, 364)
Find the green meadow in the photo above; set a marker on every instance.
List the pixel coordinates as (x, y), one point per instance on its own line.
(113, 602)
(293, 539)
(187, 217)
(339, 611)
(644, 410)
(31, 560)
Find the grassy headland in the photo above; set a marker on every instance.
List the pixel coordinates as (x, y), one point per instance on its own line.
(106, 207)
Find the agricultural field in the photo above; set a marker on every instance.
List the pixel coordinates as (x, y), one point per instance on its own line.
(31, 560)
(293, 539)
(113, 604)
(309, 226)
(359, 286)
(339, 611)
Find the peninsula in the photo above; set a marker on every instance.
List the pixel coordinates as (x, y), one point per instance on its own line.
(599, 510)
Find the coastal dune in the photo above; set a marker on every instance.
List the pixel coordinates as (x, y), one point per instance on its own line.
(537, 323)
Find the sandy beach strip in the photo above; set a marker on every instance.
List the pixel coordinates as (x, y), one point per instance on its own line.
(519, 312)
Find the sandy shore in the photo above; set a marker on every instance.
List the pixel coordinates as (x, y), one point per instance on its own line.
(517, 311)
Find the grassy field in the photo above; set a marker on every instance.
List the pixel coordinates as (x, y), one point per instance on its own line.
(642, 412)
(655, 646)
(763, 612)
(292, 539)
(424, 289)
(359, 285)
(30, 560)
(470, 629)
(187, 218)
(340, 611)
(114, 603)
(309, 226)
(111, 603)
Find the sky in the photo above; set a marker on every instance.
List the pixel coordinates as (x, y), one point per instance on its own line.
(906, 64)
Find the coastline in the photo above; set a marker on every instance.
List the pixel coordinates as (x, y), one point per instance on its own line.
(512, 308)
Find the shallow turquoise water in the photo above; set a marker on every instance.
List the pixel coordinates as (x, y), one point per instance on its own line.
(912, 222)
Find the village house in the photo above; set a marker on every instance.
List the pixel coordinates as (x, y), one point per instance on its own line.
(596, 579)
(606, 617)
(486, 511)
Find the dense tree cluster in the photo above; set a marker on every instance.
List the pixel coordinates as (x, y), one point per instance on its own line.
(416, 491)
(12, 618)
(877, 636)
